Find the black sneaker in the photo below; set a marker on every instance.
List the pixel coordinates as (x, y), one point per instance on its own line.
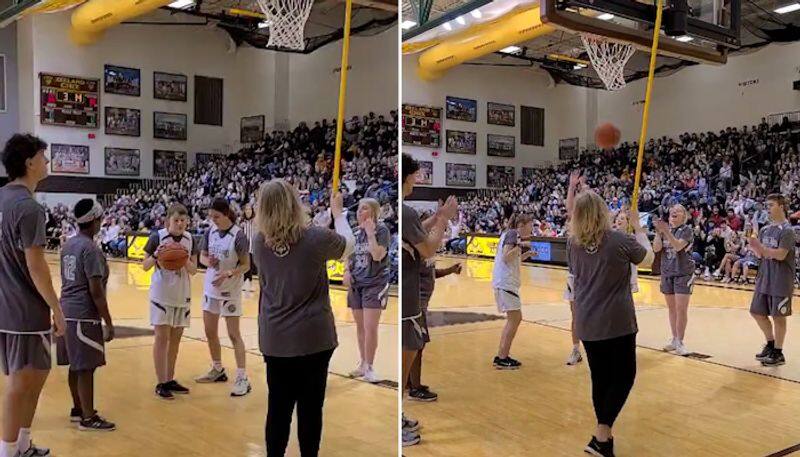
(96, 424)
(164, 393)
(75, 415)
(34, 451)
(176, 388)
(599, 449)
(775, 359)
(506, 364)
(765, 353)
(422, 395)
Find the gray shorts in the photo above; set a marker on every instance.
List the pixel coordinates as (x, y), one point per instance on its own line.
(368, 297)
(771, 305)
(413, 334)
(18, 352)
(82, 347)
(671, 285)
(507, 301)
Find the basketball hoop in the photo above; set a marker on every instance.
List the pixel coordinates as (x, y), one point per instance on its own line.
(608, 59)
(287, 22)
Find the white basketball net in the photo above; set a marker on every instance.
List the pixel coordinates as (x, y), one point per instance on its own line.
(608, 59)
(287, 22)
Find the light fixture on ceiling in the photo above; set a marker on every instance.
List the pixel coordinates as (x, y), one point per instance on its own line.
(684, 39)
(180, 4)
(476, 14)
(405, 25)
(788, 8)
(579, 66)
(461, 20)
(264, 25)
(511, 50)
(447, 26)
(605, 17)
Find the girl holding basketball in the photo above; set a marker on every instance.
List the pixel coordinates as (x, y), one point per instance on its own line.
(225, 249)
(677, 272)
(367, 280)
(171, 251)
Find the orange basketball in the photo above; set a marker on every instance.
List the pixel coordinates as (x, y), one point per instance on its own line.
(173, 256)
(607, 136)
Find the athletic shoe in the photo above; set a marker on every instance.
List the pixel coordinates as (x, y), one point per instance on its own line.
(34, 451)
(681, 350)
(370, 376)
(671, 346)
(575, 357)
(707, 275)
(96, 424)
(726, 280)
(241, 387)
(75, 415)
(774, 359)
(599, 449)
(359, 371)
(506, 364)
(164, 393)
(410, 438)
(176, 388)
(764, 354)
(213, 375)
(422, 395)
(410, 425)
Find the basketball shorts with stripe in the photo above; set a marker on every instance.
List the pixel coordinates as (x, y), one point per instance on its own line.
(21, 351)
(771, 305)
(222, 306)
(82, 347)
(172, 316)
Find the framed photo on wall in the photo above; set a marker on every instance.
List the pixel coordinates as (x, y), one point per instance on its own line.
(500, 176)
(500, 145)
(459, 142)
(425, 173)
(123, 121)
(122, 162)
(252, 129)
(69, 158)
(123, 80)
(501, 114)
(168, 164)
(169, 126)
(461, 109)
(170, 86)
(460, 174)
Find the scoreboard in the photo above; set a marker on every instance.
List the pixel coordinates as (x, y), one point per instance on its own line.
(69, 101)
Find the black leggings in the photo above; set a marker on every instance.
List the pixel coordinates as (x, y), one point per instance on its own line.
(296, 380)
(613, 368)
(248, 275)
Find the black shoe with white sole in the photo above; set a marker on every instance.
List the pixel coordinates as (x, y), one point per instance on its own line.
(506, 364)
(764, 353)
(164, 393)
(774, 359)
(96, 424)
(176, 388)
(600, 449)
(75, 415)
(422, 395)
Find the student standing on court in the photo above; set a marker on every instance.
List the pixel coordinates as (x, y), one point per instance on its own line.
(225, 249)
(420, 242)
(248, 222)
(170, 299)
(367, 280)
(605, 318)
(772, 296)
(575, 357)
(677, 272)
(27, 297)
(84, 277)
(297, 332)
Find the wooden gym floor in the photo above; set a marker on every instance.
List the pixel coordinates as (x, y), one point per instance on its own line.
(718, 402)
(360, 418)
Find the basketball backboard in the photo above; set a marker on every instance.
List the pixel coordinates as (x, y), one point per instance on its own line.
(10, 10)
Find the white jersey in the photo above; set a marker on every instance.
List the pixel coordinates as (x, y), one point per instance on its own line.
(505, 276)
(222, 246)
(172, 288)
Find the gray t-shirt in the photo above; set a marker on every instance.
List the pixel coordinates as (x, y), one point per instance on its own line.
(427, 281)
(602, 289)
(22, 226)
(295, 316)
(678, 263)
(81, 259)
(776, 277)
(413, 234)
(364, 270)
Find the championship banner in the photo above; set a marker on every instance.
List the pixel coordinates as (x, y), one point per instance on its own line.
(136, 244)
(335, 270)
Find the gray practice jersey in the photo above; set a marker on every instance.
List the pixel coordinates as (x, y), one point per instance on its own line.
(602, 289)
(81, 260)
(295, 316)
(365, 271)
(427, 281)
(776, 277)
(505, 275)
(678, 263)
(412, 261)
(22, 226)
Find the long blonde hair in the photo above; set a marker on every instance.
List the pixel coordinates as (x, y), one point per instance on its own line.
(280, 215)
(590, 219)
(374, 207)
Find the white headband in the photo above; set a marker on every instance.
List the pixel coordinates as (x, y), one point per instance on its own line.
(95, 213)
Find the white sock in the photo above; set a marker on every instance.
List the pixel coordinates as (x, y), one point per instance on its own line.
(24, 439)
(217, 365)
(7, 449)
(575, 347)
(241, 373)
